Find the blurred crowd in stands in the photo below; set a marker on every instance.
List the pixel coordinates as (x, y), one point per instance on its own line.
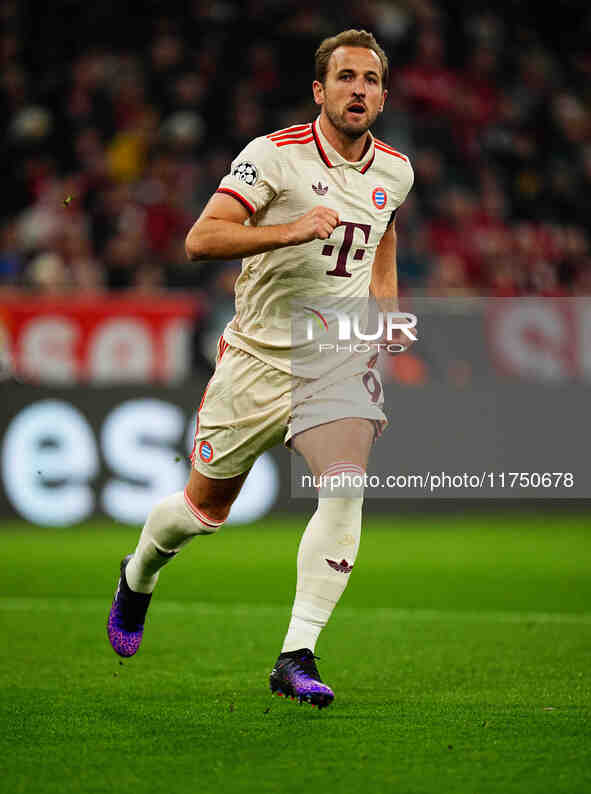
(120, 119)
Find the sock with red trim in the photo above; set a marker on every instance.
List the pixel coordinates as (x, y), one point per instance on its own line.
(172, 523)
(327, 553)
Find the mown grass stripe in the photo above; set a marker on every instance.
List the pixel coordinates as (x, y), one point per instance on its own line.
(84, 605)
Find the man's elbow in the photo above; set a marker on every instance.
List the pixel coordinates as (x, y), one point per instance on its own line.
(195, 246)
(191, 251)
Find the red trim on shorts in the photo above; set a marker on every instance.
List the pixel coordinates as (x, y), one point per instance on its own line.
(222, 347)
(203, 517)
(203, 395)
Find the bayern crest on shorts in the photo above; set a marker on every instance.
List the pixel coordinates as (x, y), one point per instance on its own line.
(379, 198)
(205, 451)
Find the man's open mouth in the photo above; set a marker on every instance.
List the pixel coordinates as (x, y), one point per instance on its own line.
(356, 108)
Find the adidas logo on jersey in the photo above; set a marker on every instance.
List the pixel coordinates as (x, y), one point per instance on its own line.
(342, 566)
(320, 189)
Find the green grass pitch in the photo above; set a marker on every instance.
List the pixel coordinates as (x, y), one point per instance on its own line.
(459, 655)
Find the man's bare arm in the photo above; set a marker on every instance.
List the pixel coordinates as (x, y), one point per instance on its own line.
(384, 277)
(384, 282)
(220, 233)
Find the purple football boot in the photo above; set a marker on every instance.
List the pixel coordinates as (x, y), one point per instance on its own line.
(295, 675)
(125, 626)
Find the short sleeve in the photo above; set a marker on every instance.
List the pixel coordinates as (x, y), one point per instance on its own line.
(402, 189)
(406, 183)
(255, 175)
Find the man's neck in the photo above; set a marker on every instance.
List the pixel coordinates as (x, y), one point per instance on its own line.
(352, 151)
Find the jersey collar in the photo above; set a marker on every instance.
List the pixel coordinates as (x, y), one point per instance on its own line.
(331, 158)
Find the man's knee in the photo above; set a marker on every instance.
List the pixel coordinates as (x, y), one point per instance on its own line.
(211, 499)
(342, 481)
(209, 515)
(213, 515)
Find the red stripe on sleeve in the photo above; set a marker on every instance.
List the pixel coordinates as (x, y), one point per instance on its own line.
(246, 204)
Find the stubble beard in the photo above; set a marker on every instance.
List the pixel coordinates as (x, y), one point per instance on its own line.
(353, 133)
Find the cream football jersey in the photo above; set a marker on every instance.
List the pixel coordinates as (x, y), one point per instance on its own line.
(278, 178)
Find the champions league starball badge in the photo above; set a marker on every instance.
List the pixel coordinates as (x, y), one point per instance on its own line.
(246, 172)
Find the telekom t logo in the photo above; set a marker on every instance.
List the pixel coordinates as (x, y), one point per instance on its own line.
(341, 266)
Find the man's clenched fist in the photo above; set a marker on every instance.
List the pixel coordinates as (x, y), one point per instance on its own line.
(318, 224)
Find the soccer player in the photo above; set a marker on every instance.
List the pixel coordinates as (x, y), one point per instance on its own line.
(310, 210)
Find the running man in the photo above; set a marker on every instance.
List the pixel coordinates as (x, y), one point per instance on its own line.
(310, 211)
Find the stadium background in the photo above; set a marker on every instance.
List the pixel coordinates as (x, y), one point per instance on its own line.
(460, 653)
(118, 126)
(134, 111)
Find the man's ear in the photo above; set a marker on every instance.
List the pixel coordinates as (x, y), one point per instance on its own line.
(384, 97)
(318, 91)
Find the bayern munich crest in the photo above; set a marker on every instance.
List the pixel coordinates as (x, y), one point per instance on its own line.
(379, 198)
(205, 451)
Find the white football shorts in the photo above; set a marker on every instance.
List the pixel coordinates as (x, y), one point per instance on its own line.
(249, 406)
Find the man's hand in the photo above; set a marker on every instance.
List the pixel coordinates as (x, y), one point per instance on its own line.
(318, 224)
(220, 232)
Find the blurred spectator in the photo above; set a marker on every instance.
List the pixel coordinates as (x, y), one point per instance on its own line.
(477, 100)
(449, 277)
(454, 231)
(47, 273)
(115, 136)
(430, 87)
(11, 255)
(221, 292)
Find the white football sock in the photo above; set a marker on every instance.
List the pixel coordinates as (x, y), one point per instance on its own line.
(326, 555)
(172, 523)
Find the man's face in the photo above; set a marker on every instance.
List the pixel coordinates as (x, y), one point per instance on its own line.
(352, 94)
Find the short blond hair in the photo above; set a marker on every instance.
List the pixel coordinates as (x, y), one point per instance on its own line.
(349, 38)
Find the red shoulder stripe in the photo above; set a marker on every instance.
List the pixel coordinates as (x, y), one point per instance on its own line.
(385, 147)
(295, 128)
(246, 204)
(291, 140)
(283, 135)
(392, 152)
